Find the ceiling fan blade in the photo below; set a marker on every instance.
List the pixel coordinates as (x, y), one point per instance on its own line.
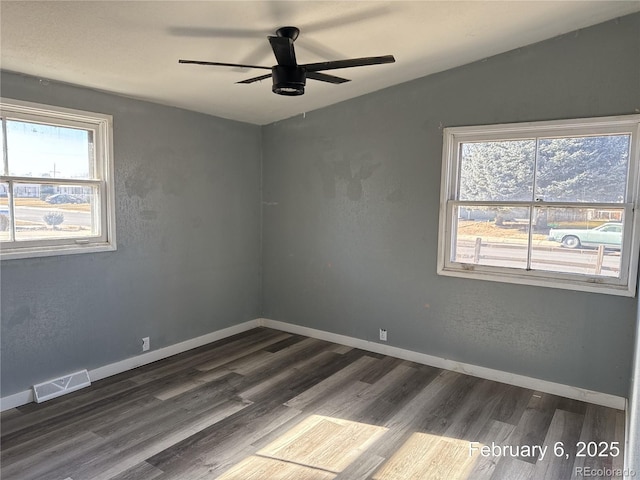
(206, 32)
(353, 62)
(283, 50)
(318, 49)
(323, 77)
(220, 64)
(367, 13)
(261, 52)
(256, 79)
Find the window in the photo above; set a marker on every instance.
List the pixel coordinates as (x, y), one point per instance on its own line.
(56, 181)
(546, 203)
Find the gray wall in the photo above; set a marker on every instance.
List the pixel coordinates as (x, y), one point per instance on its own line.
(350, 214)
(188, 229)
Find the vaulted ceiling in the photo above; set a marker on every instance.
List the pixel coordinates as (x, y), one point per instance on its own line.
(132, 48)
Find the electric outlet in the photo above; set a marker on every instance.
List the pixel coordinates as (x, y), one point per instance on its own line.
(383, 334)
(146, 344)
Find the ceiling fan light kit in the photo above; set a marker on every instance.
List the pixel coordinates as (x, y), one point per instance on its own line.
(289, 78)
(288, 81)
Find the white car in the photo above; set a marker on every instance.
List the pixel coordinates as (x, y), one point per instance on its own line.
(607, 234)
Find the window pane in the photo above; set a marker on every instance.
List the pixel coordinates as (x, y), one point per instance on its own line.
(580, 240)
(497, 171)
(583, 169)
(492, 236)
(55, 211)
(5, 217)
(37, 150)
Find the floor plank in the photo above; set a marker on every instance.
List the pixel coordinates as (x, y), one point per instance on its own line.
(271, 405)
(260, 468)
(563, 433)
(534, 423)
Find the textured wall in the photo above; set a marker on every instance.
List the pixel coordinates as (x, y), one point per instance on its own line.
(350, 214)
(188, 230)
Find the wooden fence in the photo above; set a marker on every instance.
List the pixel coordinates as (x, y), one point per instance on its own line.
(591, 259)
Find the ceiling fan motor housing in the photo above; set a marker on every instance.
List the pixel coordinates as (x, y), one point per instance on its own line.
(288, 80)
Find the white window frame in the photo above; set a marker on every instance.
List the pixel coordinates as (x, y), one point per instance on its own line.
(102, 127)
(453, 137)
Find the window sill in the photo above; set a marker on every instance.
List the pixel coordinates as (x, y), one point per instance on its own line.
(590, 284)
(51, 251)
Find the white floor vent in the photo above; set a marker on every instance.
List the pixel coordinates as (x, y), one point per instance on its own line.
(59, 386)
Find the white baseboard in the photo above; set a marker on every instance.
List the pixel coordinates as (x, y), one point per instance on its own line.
(22, 398)
(568, 391)
(15, 400)
(155, 355)
(545, 386)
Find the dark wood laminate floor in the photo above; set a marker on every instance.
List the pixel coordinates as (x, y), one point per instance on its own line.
(268, 405)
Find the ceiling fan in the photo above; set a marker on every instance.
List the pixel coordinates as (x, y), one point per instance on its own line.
(288, 76)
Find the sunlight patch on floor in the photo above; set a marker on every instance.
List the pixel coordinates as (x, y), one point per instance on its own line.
(320, 447)
(317, 448)
(444, 458)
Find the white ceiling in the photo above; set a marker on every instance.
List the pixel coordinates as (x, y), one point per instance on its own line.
(132, 48)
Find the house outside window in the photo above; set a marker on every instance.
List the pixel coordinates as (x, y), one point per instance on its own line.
(546, 203)
(56, 181)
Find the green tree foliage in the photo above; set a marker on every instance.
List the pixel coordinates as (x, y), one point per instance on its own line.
(583, 169)
(577, 169)
(497, 171)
